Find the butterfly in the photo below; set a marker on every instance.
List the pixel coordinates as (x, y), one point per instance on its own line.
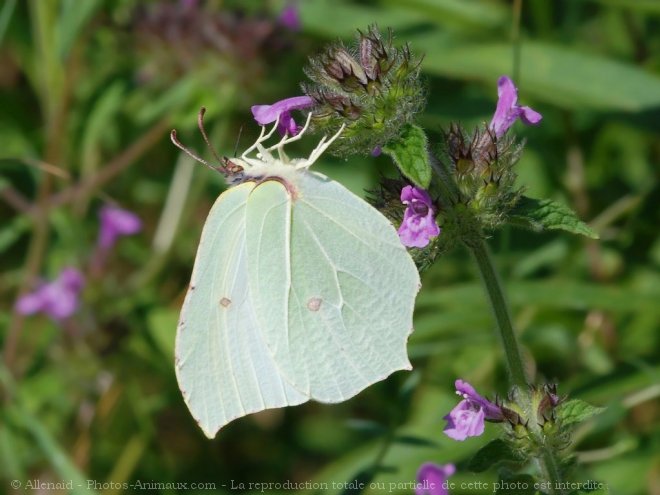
(300, 290)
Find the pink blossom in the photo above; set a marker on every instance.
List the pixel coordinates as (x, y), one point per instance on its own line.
(508, 110)
(265, 114)
(58, 299)
(468, 417)
(290, 17)
(115, 223)
(432, 479)
(419, 223)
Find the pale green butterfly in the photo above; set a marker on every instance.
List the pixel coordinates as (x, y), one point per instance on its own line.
(300, 290)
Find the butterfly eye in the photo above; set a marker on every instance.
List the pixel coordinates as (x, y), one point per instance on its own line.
(232, 168)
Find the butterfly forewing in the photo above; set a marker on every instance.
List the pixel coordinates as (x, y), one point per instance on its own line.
(224, 368)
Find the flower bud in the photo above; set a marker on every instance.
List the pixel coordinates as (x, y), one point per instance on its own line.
(373, 89)
(483, 168)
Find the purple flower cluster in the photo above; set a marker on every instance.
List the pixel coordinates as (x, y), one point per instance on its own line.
(58, 299)
(419, 225)
(508, 110)
(281, 112)
(467, 418)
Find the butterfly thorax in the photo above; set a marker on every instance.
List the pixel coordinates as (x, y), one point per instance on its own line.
(258, 171)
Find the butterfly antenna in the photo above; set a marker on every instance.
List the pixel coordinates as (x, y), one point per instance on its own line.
(238, 140)
(200, 124)
(192, 155)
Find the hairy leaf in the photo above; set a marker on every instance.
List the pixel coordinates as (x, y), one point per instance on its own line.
(490, 454)
(546, 214)
(410, 155)
(576, 411)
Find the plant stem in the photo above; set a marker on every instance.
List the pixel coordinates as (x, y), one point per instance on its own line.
(514, 361)
(515, 39)
(551, 470)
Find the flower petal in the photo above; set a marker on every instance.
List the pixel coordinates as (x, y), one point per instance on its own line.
(265, 114)
(58, 299)
(508, 111)
(290, 18)
(464, 421)
(29, 303)
(116, 222)
(467, 391)
(71, 278)
(431, 478)
(418, 225)
(529, 116)
(410, 193)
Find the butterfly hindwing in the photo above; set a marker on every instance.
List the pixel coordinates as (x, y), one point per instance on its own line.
(333, 288)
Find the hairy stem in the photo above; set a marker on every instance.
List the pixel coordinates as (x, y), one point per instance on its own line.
(551, 471)
(512, 354)
(514, 361)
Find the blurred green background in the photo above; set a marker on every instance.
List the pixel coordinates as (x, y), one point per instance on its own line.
(89, 90)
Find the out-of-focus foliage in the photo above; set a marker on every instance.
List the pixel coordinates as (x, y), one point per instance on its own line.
(88, 93)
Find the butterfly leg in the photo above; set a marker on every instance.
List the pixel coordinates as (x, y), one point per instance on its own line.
(320, 149)
(261, 138)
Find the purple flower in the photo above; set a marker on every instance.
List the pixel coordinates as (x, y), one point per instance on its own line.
(419, 223)
(188, 4)
(265, 114)
(508, 111)
(116, 222)
(58, 299)
(467, 418)
(290, 17)
(432, 479)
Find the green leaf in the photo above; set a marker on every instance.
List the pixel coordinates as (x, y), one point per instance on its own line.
(56, 456)
(650, 6)
(5, 16)
(457, 14)
(409, 153)
(161, 323)
(102, 117)
(576, 411)
(546, 214)
(73, 17)
(548, 294)
(329, 17)
(13, 230)
(366, 426)
(414, 441)
(550, 73)
(491, 454)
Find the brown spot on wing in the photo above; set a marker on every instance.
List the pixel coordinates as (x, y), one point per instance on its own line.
(314, 303)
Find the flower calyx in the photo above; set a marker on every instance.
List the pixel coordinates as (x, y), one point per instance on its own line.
(373, 88)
